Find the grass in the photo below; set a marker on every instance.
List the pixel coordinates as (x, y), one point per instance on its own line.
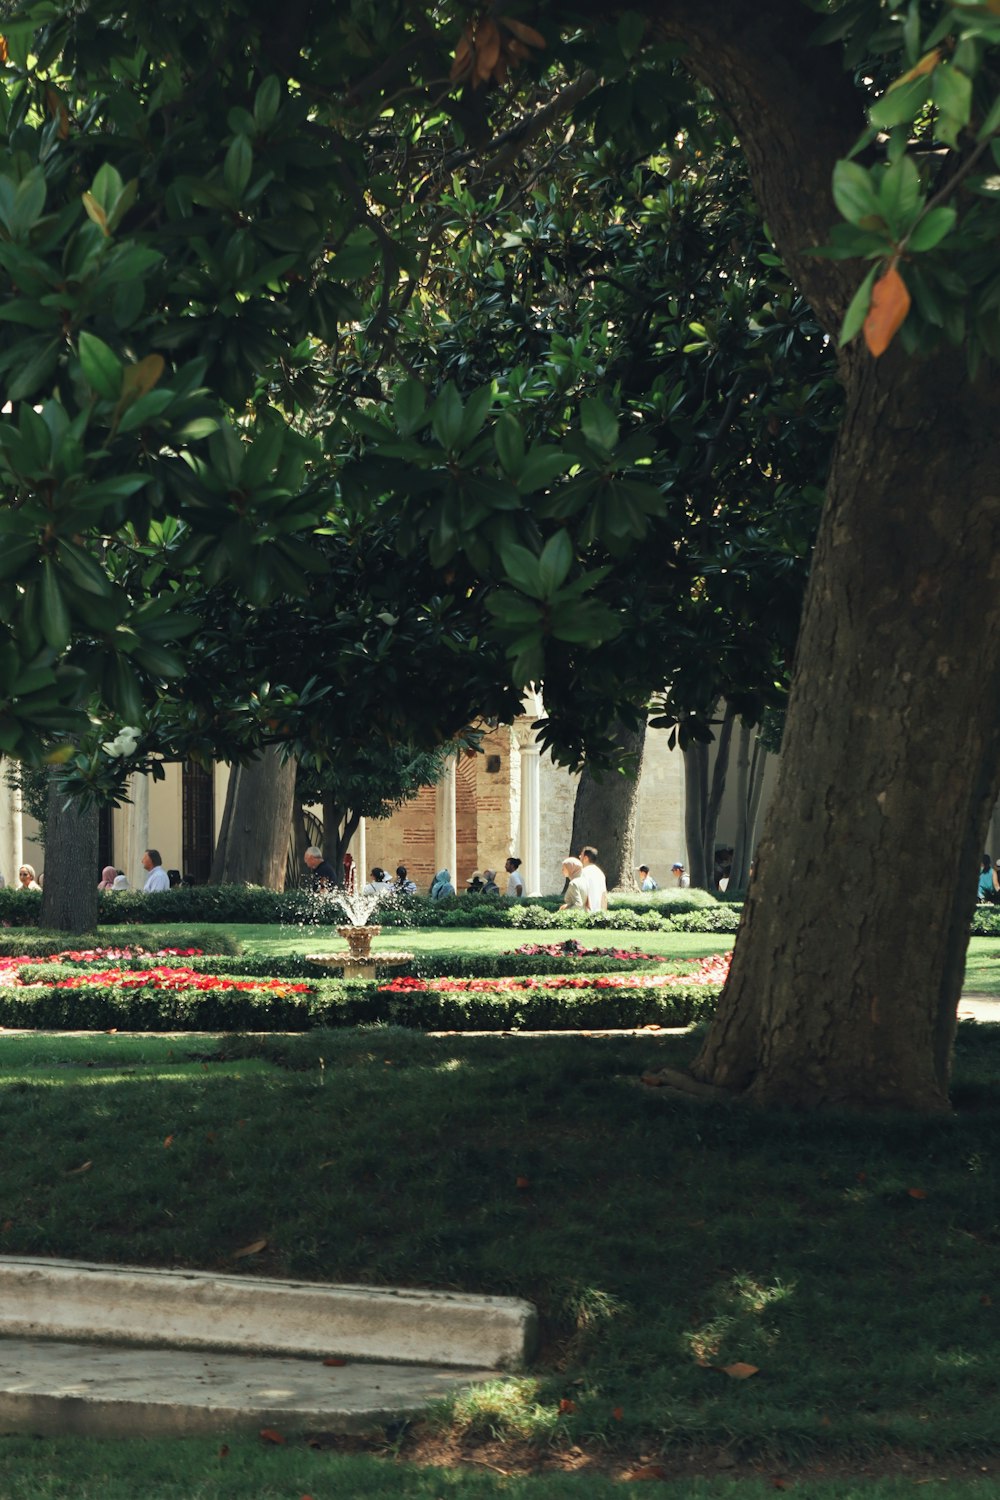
(196, 1469)
(853, 1263)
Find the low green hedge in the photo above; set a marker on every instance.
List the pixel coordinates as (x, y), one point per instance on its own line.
(29, 945)
(335, 1003)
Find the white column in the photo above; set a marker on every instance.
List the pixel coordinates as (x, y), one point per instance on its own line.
(530, 831)
(11, 828)
(135, 832)
(445, 822)
(361, 858)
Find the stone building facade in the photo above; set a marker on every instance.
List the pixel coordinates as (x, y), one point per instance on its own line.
(508, 800)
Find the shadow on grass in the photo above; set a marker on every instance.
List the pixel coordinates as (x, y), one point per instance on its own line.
(851, 1260)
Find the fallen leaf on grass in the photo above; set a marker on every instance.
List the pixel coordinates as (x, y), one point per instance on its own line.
(522, 1182)
(652, 1080)
(781, 1484)
(168, 1142)
(985, 1300)
(253, 1249)
(618, 1413)
(270, 1436)
(647, 1471)
(566, 1405)
(740, 1371)
(75, 1171)
(916, 1193)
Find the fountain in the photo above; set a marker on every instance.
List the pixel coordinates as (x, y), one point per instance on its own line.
(359, 962)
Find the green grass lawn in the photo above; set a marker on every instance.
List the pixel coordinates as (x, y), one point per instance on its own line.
(852, 1261)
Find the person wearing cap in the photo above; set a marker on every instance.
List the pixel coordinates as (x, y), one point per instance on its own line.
(679, 873)
(647, 883)
(490, 887)
(575, 894)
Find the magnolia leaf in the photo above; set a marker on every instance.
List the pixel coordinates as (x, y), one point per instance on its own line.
(889, 306)
(252, 1249)
(140, 378)
(739, 1370)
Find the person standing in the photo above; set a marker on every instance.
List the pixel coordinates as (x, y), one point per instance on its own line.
(594, 883)
(575, 894)
(647, 883)
(679, 873)
(515, 880)
(157, 878)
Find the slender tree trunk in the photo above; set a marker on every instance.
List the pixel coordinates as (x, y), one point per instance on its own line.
(299, 840)
(749, 784)
(696, 811)
(849, 961)
(720, 771)
(604, 812)
(253, 841)
(69, 894)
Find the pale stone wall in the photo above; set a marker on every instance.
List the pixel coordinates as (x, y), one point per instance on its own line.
(558, 796)
(660, 821)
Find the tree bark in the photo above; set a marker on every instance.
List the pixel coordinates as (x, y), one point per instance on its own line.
(69, 892)
(253, 840)
(849, 961)
(604, 812)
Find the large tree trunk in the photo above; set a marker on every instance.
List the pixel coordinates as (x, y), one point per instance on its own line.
(849, 961)
(253, 839)
(605, 809)
(69, 894)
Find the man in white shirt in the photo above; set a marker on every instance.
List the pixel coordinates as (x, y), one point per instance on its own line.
(157, 878)
(593, 881)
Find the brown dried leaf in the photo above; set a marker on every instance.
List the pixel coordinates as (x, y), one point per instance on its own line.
(76, 1171)
(647, 1471)
(740, 1371)
(487, 49)
(140, 378)
(335, 1363)
(463, 59)
(252, 1249)
(524, 33)
(168, 1142)
(916, 1193)
(889, 306)
(270, 1435)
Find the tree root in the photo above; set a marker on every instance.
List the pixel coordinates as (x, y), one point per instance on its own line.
(681, 1085)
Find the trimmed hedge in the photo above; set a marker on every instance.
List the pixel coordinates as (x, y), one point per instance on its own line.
(255, 905)
(209, 940)
(337, 1003)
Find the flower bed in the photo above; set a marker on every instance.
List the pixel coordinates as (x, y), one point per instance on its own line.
(175, 979)
(710, 971)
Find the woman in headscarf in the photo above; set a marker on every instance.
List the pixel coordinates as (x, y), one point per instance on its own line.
(107, 880)
(441, 886)
(26, 879)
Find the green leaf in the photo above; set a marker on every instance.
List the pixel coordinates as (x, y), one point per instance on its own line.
(238, 166)
(855, 194)
(542, 465)
(523, 570)
(409, 401)
(267, 103)
(600, 426)
(476, 409)
(899, 194)
(446, 417)
(508, 439)
(54, 614)
(902, 105)
(951, 90)
(555, 562)
(34, 371)
(102, 369)
(858, 309)
(932, 228)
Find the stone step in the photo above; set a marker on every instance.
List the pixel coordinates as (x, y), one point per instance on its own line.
(98, 1390)
(79, 1300)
